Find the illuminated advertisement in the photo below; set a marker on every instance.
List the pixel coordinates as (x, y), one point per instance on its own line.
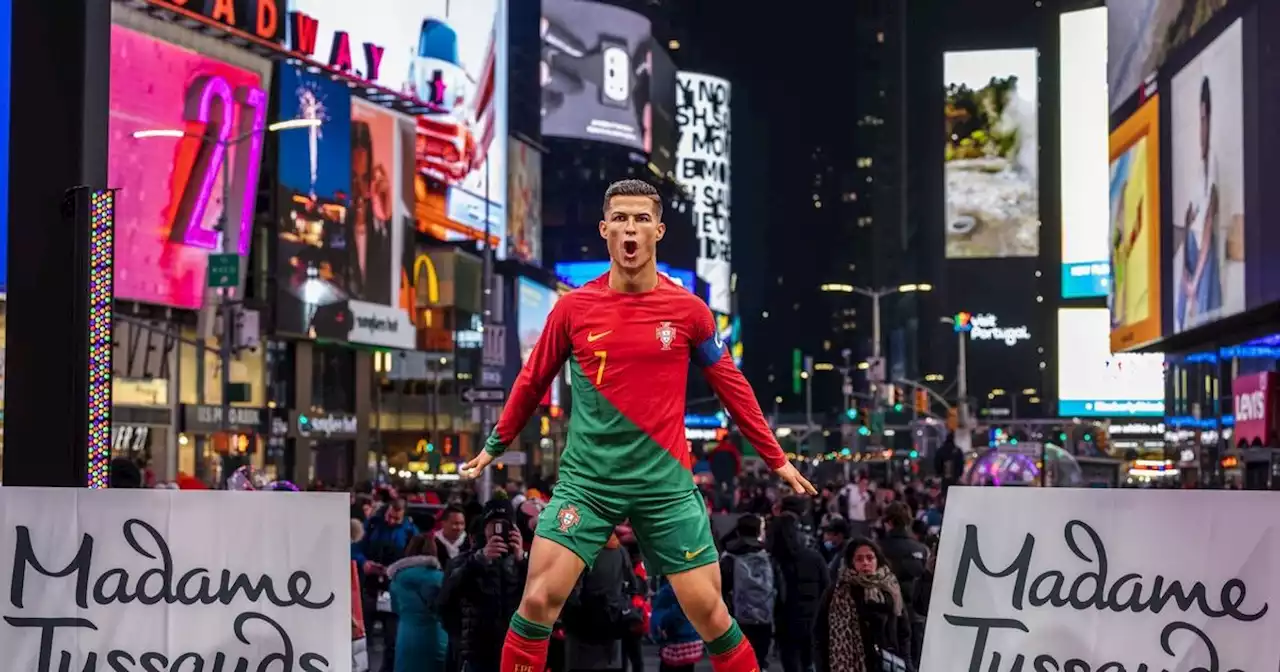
(1141, 34)
(1208, 218)
(663, 129)
(579, 273)
(171, 186)
(1093, 382)
(596, 66)
(729, 327)
(524, 202)
(992, 154)
(703, 167)
(533, 307)
(1083, 119)
(1134, 296)
(451, 57)
(343, 216)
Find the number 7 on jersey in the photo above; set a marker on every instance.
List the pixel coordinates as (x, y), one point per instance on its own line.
(603, 356)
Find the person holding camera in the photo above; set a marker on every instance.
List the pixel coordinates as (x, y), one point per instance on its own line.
(482, 589)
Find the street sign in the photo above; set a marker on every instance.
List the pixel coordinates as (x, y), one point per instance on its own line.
(484, 395)
(224, 270)
(875, 370)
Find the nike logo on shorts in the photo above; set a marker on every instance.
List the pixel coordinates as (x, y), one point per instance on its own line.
(689, 555)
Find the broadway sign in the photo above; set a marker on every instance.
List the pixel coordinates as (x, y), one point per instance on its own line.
(1083, 580)
(161, 580)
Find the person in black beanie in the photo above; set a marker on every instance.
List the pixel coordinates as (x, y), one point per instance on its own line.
(482, 589)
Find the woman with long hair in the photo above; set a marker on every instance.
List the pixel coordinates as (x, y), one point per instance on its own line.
(416, 579)
(863, 625)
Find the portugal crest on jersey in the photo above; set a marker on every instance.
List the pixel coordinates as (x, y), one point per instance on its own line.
(568, 518)
(666, 335)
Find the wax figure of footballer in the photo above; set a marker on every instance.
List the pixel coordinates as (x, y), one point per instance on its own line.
(628, 337)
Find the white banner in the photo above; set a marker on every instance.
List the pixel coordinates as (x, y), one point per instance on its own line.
(702, 166)
(376, 324)
(162, 580)
(1073, 580)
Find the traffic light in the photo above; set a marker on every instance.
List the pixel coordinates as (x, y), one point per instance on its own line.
(897, 408)
(922, 400)
(914, 454)
(851, 413)
(953, 419)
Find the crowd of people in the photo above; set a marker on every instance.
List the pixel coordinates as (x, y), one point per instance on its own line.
(840, 581)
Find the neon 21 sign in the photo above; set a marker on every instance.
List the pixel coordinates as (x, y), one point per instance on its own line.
(213, 105)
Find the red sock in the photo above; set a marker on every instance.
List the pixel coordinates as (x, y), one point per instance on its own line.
(520, 654)
(741, 658)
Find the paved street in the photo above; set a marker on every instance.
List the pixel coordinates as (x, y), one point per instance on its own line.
(650, 660)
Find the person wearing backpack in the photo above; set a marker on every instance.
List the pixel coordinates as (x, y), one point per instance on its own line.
(749, 580)
(599, 613)
(802, 580)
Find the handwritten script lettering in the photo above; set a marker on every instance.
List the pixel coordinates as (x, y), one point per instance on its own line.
(160, 582)
(1093, 589)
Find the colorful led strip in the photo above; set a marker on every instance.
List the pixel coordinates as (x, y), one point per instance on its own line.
(101, 315)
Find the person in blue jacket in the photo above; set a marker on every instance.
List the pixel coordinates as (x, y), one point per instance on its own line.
(421, 642)
(679, 645)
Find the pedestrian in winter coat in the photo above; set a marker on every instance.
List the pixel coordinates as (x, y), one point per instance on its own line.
(864, 624)
(679, 645)
(416, 580)
(482, 589)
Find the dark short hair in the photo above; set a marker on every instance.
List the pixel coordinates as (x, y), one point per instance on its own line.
(749, 525)
(1206, 97)
(633, 188)
(452, 509)
(898, 515)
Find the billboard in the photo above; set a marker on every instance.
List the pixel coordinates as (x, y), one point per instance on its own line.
(1134, 198)
(579, 273)
(343, 216)
(171, 189)
(524, 202)
(992, 154)
(663, 129)
(533, 307)
(596, 65)
(1141, 34)
(1084, 123)
(451, 56)
(1207, 191)
(1093, 382)
(703, 167)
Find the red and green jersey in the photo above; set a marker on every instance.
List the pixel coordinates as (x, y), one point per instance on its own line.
(629, 357)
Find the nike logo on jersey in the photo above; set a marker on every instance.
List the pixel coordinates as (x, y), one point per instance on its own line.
(592, 338)
(689, 555)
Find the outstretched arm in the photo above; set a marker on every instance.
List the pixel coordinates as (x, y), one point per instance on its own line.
(710, 354)
(546, 361)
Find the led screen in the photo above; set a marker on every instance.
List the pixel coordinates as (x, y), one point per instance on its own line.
(1134, 197)
(596, 65)
(1094, 382)
(1141, 35)
(579, 273)
(1084, 123)
(991, 157)
(703, 167)
(451, 56)
(171, 189)
(524, 221)
(1208, 200)
(344, 216)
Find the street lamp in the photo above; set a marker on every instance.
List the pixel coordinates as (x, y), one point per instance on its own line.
(876, 295)
(962, 373)
(230, 238)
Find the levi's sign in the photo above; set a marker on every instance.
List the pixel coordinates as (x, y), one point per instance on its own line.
(986, 327)
(1083, 580)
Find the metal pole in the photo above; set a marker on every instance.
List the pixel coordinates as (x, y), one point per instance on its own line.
(962, 380)
(808, 394)
(230, 245)
(875, 325)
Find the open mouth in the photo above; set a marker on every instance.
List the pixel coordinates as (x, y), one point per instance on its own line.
(630, 247)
